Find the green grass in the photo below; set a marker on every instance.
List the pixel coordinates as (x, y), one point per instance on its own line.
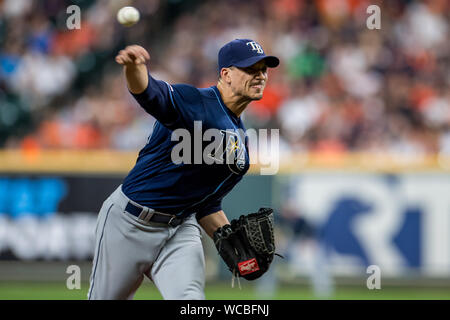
(58, 291)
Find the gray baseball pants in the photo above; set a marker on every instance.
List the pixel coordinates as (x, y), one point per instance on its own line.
(128, 248)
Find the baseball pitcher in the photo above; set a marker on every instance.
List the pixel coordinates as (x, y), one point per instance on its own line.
(151, 224)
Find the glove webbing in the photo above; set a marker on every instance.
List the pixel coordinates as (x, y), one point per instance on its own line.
(254, 231)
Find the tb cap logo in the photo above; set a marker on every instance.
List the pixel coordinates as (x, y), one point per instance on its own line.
(255, 47)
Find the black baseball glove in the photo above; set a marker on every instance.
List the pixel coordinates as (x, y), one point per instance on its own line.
(247, 244)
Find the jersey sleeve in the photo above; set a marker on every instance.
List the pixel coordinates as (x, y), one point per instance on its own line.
(189, 105)
(176, 106)
(209, 208)
(156, 99)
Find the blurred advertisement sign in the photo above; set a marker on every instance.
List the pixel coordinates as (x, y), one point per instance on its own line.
(50, 217)
(398, 222)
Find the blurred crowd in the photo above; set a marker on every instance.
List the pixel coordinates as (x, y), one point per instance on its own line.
(340, 86)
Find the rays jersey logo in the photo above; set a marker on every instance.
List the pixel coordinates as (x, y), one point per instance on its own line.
(234, 152)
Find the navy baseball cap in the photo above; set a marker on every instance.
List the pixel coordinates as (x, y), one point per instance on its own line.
(243, 53)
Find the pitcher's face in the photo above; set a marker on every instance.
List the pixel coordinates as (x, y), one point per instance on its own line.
(250, 81)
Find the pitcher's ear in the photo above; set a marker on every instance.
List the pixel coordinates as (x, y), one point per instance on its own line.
(225, 75)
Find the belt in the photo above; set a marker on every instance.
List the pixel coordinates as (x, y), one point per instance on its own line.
(151, 215)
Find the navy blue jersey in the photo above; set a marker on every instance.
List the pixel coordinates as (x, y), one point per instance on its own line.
(159, 182)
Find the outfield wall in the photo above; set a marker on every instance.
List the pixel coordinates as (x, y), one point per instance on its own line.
(399, 222)
(392, 212)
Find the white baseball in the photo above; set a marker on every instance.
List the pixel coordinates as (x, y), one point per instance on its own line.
(128, 16)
